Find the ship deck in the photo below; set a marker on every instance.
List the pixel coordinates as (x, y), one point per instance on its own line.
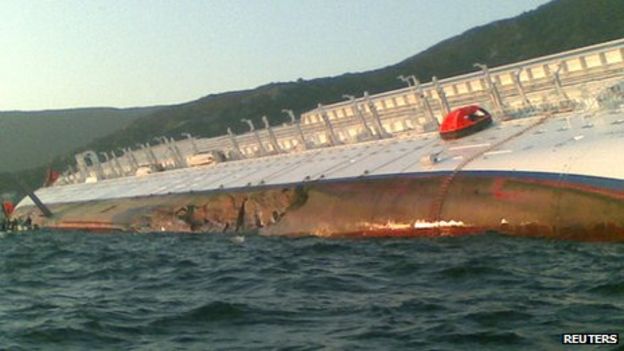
(574, 144)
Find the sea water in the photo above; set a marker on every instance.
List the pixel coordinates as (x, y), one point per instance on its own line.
(85, 291)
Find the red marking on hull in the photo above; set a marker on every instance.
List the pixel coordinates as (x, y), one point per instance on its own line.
(500, 194)
(574, 186)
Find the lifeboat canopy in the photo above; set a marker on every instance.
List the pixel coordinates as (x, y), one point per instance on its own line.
(7, 208)
(464, 121)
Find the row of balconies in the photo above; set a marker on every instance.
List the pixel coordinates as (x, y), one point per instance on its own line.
(508, 91)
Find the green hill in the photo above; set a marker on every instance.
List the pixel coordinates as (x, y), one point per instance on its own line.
(554, 27)
(32, 139)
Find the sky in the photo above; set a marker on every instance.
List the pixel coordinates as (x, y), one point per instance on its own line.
(67, 54)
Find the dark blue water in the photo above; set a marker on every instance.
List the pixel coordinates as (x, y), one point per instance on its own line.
(64, 291)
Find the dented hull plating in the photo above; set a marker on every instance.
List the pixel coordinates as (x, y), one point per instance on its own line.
(515, 203)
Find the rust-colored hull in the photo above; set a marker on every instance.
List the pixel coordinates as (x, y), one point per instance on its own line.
(398, 206)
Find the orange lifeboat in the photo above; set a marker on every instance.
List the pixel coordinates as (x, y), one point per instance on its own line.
(464, 121)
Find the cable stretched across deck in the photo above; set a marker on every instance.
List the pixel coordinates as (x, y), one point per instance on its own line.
(438, 202)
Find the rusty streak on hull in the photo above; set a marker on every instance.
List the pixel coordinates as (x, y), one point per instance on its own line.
(513, 203)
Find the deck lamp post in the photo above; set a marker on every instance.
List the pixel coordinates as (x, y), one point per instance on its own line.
(357, 112)
(235, 145)
(71, 174)
(178, 160)
(110, 165)
(519, 87)
(132, 161)
(176, 150)
(557, 82)
(381, 132)
(192, 140)
(149, 154)
(272, 137)
(95, 163)
(252, 129)
(424, 100)
(165, 142)
(442, 95)
(142, 147)
(118, 169)
(420, 96)
(492, 88)
(328, 125)
(297, 125)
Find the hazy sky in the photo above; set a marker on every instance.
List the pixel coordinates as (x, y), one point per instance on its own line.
(58, 54)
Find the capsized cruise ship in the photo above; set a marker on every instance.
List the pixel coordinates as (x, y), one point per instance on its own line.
(549, 162)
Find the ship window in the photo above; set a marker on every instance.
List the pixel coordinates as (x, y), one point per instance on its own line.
(478, 114)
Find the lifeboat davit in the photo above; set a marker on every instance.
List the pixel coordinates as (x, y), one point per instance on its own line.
(464, 121)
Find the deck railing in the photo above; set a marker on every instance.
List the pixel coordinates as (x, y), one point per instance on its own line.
(557, 82)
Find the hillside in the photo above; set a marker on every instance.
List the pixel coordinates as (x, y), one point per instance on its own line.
(35, 138)
(554, 27)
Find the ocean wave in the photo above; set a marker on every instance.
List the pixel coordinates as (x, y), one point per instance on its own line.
(171, 291)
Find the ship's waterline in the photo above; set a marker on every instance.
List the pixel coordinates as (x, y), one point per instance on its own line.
(517, 204)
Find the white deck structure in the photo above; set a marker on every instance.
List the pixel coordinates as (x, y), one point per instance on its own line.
(580, 137)
(563, 144)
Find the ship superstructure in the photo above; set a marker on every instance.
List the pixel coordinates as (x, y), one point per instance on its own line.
(376, 165)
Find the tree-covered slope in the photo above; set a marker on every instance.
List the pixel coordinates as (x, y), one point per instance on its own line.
(554, 27)
(32, 139)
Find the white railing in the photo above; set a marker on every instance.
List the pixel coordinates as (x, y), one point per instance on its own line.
(554, 82)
